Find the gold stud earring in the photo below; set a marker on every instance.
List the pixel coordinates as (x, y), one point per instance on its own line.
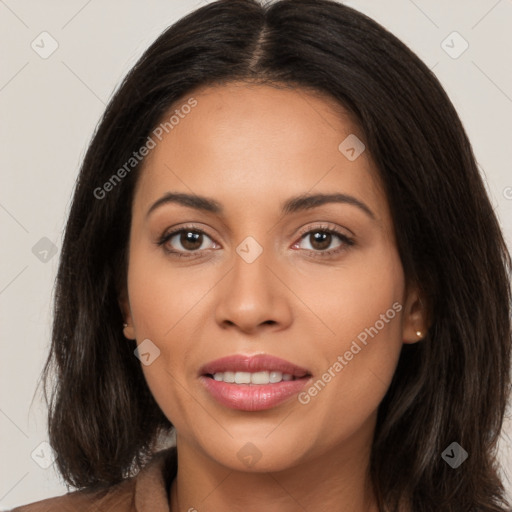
(125, 325)
(418, 333)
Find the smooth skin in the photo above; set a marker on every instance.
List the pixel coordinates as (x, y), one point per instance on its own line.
(252, 147)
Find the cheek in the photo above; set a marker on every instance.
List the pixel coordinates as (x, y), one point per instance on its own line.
(161, 297)
(349, 299)
(360, 309)
(164, 305)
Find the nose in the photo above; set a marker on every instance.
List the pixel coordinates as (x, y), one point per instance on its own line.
(251, 298)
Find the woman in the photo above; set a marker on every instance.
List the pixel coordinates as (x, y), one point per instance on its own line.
(281, 251)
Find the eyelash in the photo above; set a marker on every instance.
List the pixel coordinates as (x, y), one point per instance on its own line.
(346, 241)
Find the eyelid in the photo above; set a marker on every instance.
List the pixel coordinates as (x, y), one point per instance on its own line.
(347, 241)
(324, 226)
(171, 232)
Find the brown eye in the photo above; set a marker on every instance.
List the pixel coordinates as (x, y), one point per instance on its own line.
(320, 240)
(323, 241)
(186, 240)
(191, 240)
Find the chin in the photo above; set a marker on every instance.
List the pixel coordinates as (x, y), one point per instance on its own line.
(257, 454)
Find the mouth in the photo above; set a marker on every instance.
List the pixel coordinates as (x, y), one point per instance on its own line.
(252, 383)
(256, 378)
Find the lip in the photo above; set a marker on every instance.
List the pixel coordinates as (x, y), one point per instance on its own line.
(255, 363)
(252, 397)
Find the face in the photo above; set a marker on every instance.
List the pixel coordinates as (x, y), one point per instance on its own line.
(285, 276)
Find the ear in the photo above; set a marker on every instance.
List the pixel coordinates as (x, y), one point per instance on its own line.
(124, 306)
(414, 319)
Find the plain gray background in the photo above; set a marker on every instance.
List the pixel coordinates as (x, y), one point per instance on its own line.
(50, 105)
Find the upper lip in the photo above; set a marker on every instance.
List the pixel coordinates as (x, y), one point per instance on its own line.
(254, 363)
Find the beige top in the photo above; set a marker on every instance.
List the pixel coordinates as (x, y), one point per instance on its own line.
(148, 491)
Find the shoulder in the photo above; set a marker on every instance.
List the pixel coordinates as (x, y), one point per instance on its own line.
(117, 498)
(145, 492)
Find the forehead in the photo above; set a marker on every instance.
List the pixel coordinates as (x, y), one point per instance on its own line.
(233, 115)
(257, 142)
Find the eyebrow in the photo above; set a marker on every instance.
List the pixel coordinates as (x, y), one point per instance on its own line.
(292, 205)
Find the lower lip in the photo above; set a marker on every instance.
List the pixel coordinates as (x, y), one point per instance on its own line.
(252, 397)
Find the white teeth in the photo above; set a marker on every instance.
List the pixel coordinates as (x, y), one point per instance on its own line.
(263, 377)
(276, 377)
(229, 377)
(260, 378)
(242, 377)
